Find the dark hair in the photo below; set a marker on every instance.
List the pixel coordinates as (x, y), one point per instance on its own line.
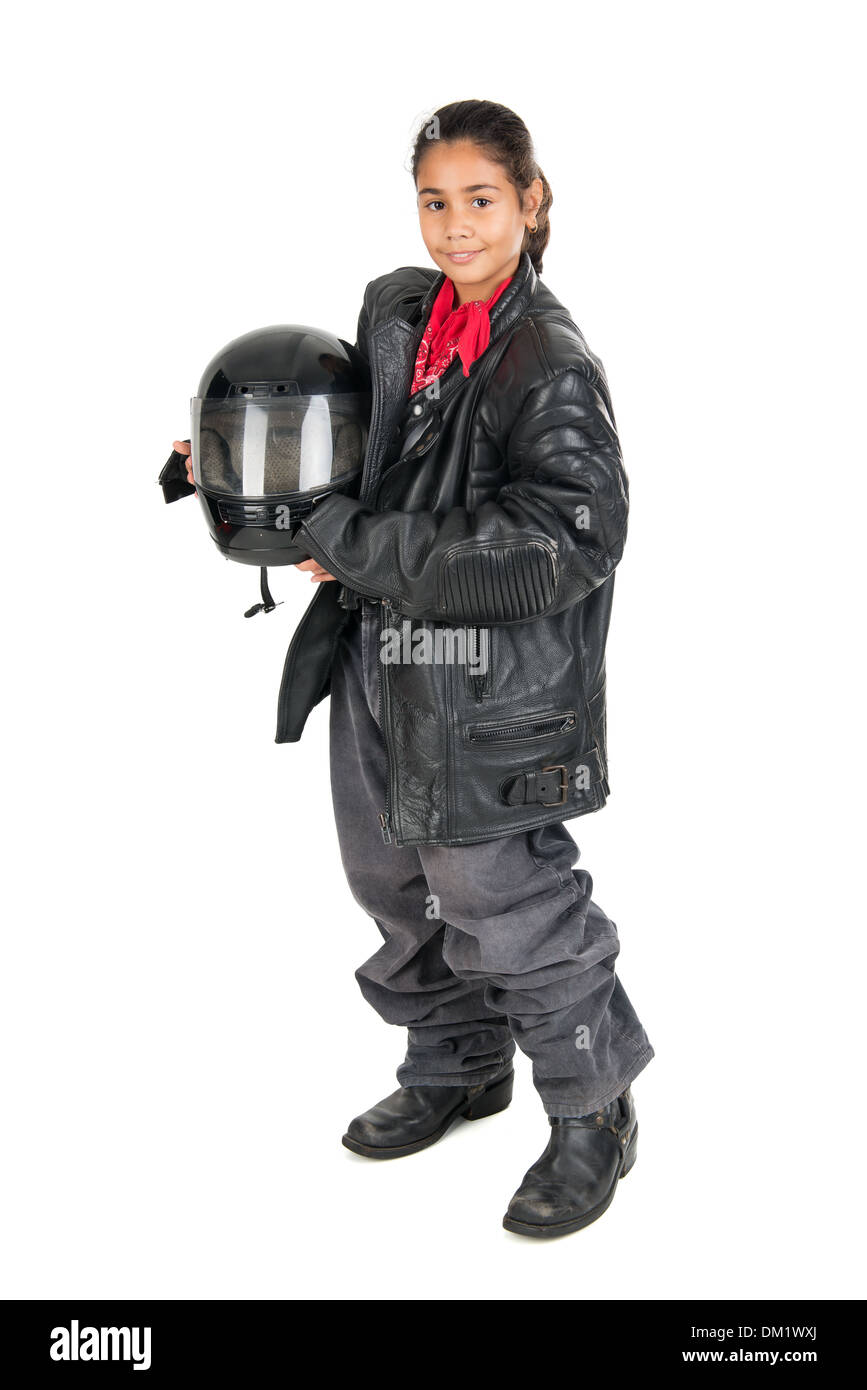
(504, 138)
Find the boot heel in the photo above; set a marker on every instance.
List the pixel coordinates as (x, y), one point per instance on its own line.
(492, 1101)
(631, 1152)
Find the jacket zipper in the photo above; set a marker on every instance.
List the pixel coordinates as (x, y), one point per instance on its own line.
(385, 617)
(365, 494)
(478, 681)
(554, 724)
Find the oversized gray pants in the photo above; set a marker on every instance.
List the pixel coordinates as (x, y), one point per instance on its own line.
(485, 945)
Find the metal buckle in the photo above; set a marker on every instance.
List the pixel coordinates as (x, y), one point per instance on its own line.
(564, 784)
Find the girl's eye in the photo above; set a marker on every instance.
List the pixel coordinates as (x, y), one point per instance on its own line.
(437, 202)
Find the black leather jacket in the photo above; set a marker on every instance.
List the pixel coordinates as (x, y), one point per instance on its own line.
(500, 507)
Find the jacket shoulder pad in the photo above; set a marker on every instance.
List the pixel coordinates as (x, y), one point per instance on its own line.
(399, 292)
(561, 344)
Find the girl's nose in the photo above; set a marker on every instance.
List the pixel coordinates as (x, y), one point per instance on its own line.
(458, 230)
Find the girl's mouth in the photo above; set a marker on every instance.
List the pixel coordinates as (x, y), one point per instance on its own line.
(462, 257)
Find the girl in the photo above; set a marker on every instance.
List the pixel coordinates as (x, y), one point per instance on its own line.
(492, 509)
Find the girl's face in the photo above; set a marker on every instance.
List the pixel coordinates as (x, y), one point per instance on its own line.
(471, 217)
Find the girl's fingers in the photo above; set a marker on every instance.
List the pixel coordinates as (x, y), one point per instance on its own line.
(315, 569)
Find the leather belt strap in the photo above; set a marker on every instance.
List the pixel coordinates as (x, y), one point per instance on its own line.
(348, 598)
(547, 786)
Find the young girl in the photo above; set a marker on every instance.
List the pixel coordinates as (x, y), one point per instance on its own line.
(492, 508)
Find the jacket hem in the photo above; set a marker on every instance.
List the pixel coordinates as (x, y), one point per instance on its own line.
(560, 814)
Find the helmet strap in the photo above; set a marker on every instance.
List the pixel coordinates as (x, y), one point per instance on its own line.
(267, 605)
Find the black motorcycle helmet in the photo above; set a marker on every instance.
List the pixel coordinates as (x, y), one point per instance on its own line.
(280, 420)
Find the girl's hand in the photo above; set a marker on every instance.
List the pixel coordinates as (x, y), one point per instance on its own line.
(317, 573)
(180, 446)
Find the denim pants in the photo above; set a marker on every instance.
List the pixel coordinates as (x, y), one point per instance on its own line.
(484, 945)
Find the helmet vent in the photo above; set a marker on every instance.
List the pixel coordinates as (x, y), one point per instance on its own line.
(256, 390)
(264, 513)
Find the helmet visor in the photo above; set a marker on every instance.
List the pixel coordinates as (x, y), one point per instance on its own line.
(277, 447)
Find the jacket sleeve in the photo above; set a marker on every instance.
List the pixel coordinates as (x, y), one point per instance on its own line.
(553, 533)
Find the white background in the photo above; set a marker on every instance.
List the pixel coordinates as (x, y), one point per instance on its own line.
(183, 1041)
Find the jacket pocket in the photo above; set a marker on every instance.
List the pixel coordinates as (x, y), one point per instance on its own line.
(526, 729)
(414, 446)
(425, 441)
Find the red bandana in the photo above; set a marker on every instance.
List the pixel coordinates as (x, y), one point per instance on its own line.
(465, 330)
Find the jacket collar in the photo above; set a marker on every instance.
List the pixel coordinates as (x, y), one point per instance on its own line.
(510, 305)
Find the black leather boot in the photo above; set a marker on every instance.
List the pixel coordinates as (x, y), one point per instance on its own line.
(576, 1177)
(414, 1117)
